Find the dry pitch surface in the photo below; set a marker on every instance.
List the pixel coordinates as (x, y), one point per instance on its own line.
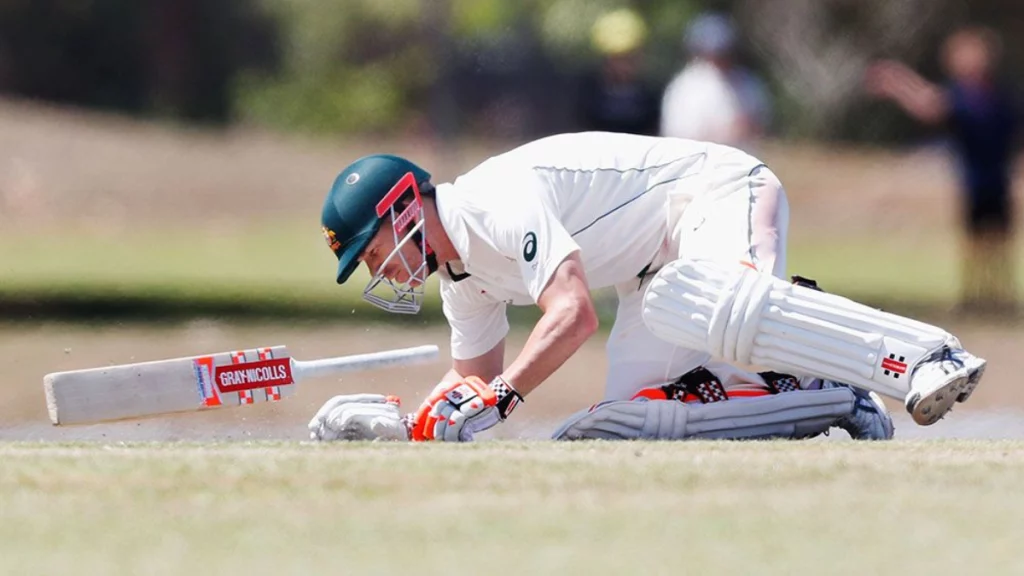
(32, 350)
(946, 507)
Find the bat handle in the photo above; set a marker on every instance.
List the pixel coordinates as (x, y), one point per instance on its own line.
(360, 362)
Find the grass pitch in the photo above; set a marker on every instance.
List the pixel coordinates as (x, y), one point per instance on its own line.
(513, 508)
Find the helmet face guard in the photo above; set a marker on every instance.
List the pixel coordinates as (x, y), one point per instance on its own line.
(401, 297)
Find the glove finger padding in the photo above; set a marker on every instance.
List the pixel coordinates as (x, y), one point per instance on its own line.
(446, 417)
(336, 401)
(366, 422)
(436, 418)
(454, 428)
(358, 417)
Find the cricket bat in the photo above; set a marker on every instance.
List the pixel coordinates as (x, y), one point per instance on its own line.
(225, 379)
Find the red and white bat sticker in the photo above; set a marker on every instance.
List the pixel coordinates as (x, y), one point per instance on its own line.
(273, 392)
(893, 365)
(252, 375)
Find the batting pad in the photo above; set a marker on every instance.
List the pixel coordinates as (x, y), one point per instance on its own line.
(795, 415)
(741, 315)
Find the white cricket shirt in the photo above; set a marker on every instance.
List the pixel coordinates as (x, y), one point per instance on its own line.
(514, 218)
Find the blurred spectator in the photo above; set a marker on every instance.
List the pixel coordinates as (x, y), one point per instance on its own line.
(980, 116)
(713, 98)
(616, 97)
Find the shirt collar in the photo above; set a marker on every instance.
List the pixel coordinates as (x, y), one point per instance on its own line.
(451, 213)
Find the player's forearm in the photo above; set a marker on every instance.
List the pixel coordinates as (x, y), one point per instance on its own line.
(557, 336)
(452, 376)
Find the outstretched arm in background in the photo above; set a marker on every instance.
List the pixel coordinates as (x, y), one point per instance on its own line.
(920, 98)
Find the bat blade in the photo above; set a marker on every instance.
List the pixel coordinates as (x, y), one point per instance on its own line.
(168, 386)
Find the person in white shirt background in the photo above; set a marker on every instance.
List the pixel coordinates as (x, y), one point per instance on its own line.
(713, 98)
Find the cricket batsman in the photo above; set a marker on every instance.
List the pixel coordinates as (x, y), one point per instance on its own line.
(709, 340)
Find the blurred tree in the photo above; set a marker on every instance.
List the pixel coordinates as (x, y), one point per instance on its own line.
(451, 66)
(488, 67)
(346, 65)
(168, 57)
(817, 50)
(194, 48)
(85, 53)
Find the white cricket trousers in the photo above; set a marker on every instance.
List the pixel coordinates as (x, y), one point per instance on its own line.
(737, 213)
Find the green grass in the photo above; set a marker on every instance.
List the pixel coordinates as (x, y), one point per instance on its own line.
(258, 270)
(283, 269)
(513, 508)
(287, 261)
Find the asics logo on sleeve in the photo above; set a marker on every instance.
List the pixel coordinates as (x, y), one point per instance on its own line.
(529, 246)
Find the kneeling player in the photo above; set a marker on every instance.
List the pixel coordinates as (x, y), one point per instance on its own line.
(692, 237)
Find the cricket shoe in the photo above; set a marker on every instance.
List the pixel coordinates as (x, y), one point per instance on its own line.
(948, 376)
(870, 419)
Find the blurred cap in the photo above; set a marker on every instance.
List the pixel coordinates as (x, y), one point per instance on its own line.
(349, 216)
(710, 33)
(618, 32)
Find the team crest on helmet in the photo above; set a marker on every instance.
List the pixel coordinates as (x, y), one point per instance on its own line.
(332, 241)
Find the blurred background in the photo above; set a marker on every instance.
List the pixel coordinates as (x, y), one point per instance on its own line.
(163, 162)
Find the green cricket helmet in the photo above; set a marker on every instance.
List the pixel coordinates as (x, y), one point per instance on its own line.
(362, 195)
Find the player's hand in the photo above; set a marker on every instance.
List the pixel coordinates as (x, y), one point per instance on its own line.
(359, 417)
(455, 411)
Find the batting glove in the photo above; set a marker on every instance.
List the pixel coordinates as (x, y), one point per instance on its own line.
(359, 417)
(455, 411)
